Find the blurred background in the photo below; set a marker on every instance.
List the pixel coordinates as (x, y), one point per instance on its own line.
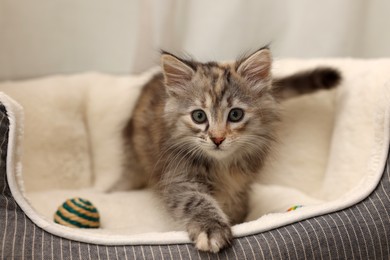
(44, 37)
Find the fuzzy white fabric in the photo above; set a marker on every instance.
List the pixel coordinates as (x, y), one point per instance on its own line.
(332, 150)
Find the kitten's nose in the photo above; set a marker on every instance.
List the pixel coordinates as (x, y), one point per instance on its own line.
(217, 140)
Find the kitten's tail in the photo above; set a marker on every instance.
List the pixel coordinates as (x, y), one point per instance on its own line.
(306, 82)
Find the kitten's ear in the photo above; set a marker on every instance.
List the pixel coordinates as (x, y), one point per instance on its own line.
(176, 72)
(256, 68)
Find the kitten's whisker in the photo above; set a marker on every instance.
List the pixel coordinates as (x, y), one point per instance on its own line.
(172, 148)
(188, 152)
(173, 160)
(184, 149)
(164, 152)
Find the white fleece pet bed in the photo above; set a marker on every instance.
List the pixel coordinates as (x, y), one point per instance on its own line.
(332, 152)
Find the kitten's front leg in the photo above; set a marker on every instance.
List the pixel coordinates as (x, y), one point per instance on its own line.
(207, 225)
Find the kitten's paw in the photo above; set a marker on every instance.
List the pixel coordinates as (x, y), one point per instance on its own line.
(213, 239)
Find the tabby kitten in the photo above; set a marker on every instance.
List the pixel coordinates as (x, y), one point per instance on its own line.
(200, 134)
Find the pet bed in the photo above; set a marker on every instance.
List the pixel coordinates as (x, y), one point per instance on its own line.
(332, 159)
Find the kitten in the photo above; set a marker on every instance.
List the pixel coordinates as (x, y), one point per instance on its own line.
(200, 134)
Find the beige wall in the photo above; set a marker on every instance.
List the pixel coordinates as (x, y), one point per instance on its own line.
(43, 37)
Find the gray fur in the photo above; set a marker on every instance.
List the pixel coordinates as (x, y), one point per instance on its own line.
(203, 185)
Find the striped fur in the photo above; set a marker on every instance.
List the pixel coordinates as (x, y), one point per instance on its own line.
(306, 82)
(204, 183)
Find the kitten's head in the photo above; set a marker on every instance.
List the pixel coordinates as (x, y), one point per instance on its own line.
(220, 109)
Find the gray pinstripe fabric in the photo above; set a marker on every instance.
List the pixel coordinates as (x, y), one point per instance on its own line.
(359, 232)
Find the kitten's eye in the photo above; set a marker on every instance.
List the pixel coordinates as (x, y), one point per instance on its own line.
(235, 115)
(199, 116)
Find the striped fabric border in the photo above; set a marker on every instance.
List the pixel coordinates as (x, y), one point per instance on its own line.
(359, 232)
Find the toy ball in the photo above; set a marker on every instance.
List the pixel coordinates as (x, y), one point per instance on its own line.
(295, 207)
(77, 213)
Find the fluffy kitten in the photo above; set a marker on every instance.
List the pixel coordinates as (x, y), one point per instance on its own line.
(201, 132)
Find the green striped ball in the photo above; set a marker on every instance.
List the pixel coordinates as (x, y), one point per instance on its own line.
(77, 213)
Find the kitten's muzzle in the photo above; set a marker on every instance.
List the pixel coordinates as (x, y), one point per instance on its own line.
(217, 140)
